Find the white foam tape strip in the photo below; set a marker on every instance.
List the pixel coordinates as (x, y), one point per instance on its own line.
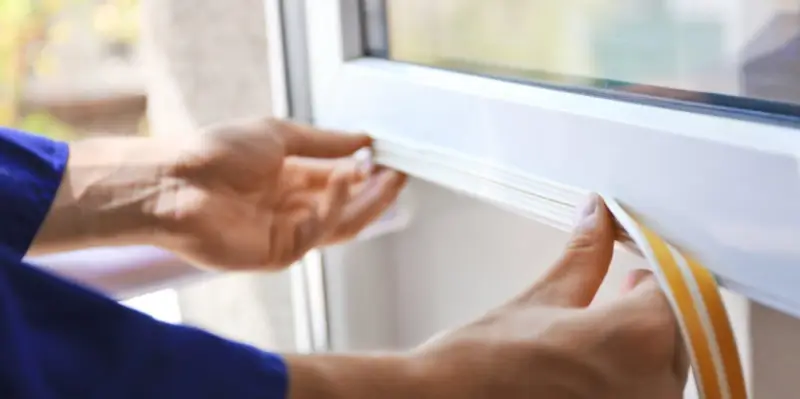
(548, 212)
(690, 287)
(480, 168)
(484, 182)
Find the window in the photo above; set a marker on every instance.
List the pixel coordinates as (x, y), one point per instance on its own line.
(743, 54)
(705, 150)
(530, 104)
(59, 84)
(74, 69)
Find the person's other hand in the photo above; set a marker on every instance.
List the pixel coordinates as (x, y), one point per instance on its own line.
(549, 343)
(260, 194)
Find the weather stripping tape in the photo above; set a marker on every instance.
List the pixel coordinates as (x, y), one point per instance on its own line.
(691, 289)
(693, 294)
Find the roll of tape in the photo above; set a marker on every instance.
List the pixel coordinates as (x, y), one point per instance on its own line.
(694, 296)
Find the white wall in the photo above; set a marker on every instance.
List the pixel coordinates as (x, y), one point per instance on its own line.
(458, 258)
(775, 341)
(461, 256)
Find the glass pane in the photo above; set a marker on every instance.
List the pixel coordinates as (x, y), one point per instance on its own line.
(743, 53)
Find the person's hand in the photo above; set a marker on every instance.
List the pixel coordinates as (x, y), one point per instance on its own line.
(250, 195)
(260, 194)
(549, 343)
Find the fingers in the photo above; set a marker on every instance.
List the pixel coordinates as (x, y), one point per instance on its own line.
(329, 213)
(338, 213)
(645, 299)
(643, 285)
(682, 361)
(644, 295)
(315, 174)
(377, 194)
(308, 141)
(575, 278)
(634, 278)
(625, 239)
(292, 229)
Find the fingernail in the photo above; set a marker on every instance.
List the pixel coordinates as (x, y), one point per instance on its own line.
(586, 218)
(629, 283)
(364, 159)
(633, 279)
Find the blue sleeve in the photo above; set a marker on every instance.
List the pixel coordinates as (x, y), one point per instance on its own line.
(60, 340)
(31, 168)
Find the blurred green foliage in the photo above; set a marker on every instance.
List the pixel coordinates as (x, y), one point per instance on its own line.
(26, 26)
(46, 125)
(118, 20)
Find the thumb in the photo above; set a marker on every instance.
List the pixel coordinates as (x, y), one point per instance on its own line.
(577, 275)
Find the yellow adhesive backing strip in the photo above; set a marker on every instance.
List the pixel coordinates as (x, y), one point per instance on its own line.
(692, 326)
(695, 299)
(722, 329)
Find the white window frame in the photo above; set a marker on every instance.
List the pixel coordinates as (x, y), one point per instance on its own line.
(284, 22)
(724, 188)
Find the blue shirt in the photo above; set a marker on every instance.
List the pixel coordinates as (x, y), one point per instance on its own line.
(60, 340)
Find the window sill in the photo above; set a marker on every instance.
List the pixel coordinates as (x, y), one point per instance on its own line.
(121, 272)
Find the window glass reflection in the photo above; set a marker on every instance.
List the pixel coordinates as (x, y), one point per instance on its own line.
(743, 53)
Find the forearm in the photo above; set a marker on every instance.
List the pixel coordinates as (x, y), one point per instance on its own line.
(355, 377)
(431, 374)
(108, 196)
